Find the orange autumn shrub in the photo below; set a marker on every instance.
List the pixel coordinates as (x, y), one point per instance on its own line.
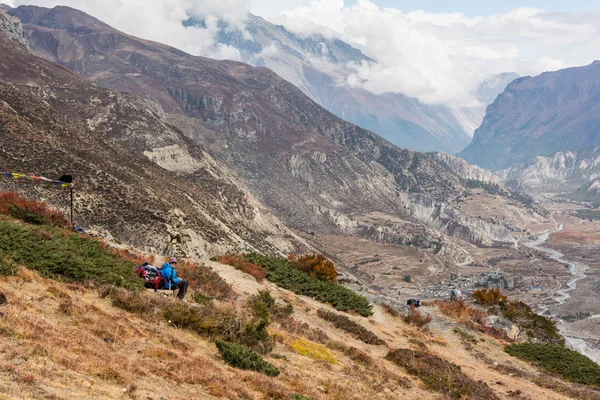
(316, 265)
(488, 297)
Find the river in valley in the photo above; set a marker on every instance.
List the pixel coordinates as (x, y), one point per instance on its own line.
(578, 270)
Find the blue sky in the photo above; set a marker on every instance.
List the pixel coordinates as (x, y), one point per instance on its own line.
(486, 7)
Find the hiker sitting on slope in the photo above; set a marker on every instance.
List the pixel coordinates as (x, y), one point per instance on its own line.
(172, 282)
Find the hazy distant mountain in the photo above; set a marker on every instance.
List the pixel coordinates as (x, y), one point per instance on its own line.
(319, 67)
(541, 116)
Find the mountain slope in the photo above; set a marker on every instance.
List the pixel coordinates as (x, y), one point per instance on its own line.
(319, 66)
(53, 122)
(310, 167)
(69, 341)
(553, 112)
(315, 172)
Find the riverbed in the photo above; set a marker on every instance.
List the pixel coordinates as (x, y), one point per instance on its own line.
(563, 295)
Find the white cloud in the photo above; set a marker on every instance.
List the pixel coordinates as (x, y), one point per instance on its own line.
(161, 20)
(442, 58)
(435, 57)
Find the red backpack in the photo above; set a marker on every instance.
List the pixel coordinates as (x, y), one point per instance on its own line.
(151, 275)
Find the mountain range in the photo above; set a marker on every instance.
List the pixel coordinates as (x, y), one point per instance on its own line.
(240, 136)
(320, 66)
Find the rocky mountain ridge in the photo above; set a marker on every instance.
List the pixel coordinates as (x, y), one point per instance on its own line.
(12, 27)
(561, 172)
(264, 128)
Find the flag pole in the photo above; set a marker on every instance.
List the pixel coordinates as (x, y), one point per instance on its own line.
(71, 203)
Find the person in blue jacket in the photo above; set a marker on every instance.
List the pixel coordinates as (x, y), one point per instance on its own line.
(172, 282)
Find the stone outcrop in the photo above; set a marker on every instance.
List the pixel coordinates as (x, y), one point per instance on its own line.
(12, 27)
(467, 171)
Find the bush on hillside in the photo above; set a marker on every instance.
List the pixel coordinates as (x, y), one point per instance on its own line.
(536, 327)
(30, 211)
(242, 357)
(414, 317)
(65, 256)
(298, 328)
(440, 375)
(255, 334)
(240, 264)
(277, 311)
(352, 352)
(202, 278)
(346, 324)
(567, 363)
(285, 275)
(133, 302)
(8, 267)
(316, 265)
(460, 310)
(489, 297)
(209, 321)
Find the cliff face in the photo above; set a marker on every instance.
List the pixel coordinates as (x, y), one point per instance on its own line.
(53, 122)
(541, 116)
(562, 172)
(467, 171)
(12, 27)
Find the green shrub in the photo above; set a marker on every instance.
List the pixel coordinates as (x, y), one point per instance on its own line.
(8, 267)
(242, 357)
(569, 364)
(277, 311)
(209, 320)
(65, 256)
(440, 375)
(346, 324)
(255, 334)
(285, 275)
(201, 298)
(535, 326)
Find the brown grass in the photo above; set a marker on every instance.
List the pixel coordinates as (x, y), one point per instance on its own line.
(459, 310)
(31, 211)
(240, 264)
(415, 317)
(440, 376)
(296, 327)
